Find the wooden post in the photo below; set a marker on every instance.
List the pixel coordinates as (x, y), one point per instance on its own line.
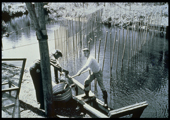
(110, 53)
(77, 42)
(73, 36)
(139, 49)
(76, 46)
(78, 33)
(55, 38)
(82, 31)
(132, 46)
(95, 82)
(99, 50)
(63, 41)
(89, 70)
(113, 50)
(98, 62)
(132, 35)
(56, 46)
(89, 45)
(95, 45)
(163, 58)
(135, 50)
(142, 41)
(147, 66)
(41, 33)
(118, 51)
(66, 46)
(110, 72)
(104, 50)
(129, 51)
(124, 49)
(93, 29)
(113, 54)
(80, 27)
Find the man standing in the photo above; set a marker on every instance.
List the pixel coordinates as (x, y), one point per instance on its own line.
(96, 73)
(54, 59)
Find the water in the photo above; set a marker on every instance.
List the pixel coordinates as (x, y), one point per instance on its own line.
(145, 78)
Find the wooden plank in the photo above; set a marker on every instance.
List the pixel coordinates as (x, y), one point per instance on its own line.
(99, 102)
(9, 105)
(101, 107)
(12, 59)
(4, 99)
(94, 111)
(128, 109)
(16, 111)
(6, 96)
(10, 89)
(89, 108)
(130, 106)
(91, 97)
(4, 83)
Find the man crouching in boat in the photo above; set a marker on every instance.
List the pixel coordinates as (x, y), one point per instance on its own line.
(97, 73)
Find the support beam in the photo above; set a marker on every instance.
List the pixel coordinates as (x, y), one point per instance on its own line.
(135, 109)
(10, 89)
(40, 27)
(89, 108)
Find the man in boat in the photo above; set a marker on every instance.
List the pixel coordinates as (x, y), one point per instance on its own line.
(35, 72)
(96, 73)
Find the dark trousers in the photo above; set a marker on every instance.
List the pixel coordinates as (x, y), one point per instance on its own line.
(37, 81)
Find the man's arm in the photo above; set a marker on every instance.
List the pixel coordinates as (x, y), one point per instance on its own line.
(59, 68)
(82, 69)
(85, 66)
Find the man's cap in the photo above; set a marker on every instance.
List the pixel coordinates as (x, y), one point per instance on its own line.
(86, 49)
(57, 52)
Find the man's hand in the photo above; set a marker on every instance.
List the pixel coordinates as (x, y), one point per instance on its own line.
(67, 72)
(78, 74)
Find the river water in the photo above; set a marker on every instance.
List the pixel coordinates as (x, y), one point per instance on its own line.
(144, 76)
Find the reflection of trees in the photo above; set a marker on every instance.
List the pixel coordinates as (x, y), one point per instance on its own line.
(17, 25)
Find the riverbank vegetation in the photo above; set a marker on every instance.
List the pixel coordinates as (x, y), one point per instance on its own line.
(120, 14)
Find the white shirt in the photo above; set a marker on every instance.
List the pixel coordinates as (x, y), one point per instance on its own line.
(92, 64)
